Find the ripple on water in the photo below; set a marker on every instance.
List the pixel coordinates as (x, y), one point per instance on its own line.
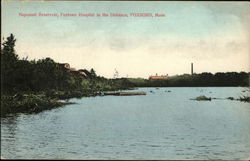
(132, 145)
(202, 146)
(180, 130)
(154, 146)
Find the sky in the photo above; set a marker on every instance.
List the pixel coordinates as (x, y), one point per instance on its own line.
(212, 35)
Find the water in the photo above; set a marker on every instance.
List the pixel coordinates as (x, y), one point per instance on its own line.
(160, 125)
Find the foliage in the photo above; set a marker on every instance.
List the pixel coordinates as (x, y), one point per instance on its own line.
(8, 50)
(43, 74)
(27, 103)
(202, 98)
(244, 99)
(42, 82)
(197, 80)
(92, 72)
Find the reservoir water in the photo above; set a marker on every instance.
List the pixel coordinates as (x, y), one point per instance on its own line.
(164, 124)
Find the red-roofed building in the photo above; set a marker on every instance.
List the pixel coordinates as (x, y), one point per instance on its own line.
(65, 65)
(162, 77)
(81, 73)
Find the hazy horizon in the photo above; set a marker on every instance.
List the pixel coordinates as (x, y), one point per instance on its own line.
(212, 35)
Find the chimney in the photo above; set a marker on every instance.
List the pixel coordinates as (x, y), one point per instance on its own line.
(192, 70)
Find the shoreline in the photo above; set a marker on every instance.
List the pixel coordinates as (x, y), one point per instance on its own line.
(35, 102)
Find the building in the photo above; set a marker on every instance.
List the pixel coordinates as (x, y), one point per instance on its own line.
(85, 72)
(156, 77)
(81, 72)
(65, 66)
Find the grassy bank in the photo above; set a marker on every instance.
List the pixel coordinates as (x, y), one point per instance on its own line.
(28, 103)
(34, 102)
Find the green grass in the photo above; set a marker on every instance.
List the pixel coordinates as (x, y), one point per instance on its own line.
(28, 103)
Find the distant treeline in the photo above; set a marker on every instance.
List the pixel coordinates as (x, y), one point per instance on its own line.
(46, 74)
(227, 79)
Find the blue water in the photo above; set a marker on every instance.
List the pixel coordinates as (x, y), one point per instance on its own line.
(159, 125)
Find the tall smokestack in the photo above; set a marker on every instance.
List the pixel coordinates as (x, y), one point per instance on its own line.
(192, 69)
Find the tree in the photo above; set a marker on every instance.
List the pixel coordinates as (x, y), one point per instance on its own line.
(92, 72)
(8, 63)
(8, 55)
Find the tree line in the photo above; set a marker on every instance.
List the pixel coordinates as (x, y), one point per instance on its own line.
(46, 74)
(35, 85)
(220, 79)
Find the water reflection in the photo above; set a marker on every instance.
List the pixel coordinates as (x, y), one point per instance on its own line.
(8, 134)
(160, 125)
